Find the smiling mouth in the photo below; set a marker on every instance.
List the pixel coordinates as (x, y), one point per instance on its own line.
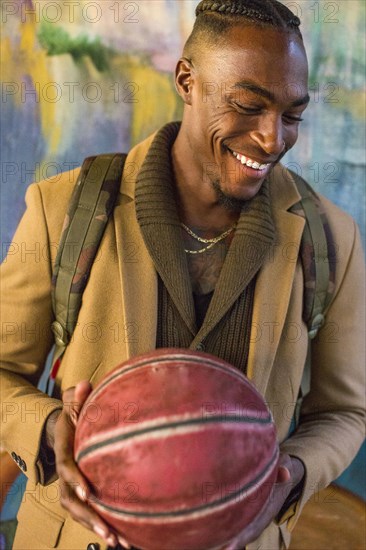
(249, 162)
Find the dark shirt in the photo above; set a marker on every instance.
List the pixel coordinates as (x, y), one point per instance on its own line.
(201, 303)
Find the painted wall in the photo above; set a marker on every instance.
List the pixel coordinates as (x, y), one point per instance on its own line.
(84, 77)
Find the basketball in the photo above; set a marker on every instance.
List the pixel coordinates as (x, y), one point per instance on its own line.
(179, 448)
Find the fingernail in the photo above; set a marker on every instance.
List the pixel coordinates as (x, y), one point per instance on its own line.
(101, 532)
(124, 542)
(80, 493)
(74, 417)
(112, 541)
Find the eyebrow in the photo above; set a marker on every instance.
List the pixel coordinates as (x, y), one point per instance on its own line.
(263, 92)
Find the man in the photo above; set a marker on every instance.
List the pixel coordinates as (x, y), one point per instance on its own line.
(208, 213)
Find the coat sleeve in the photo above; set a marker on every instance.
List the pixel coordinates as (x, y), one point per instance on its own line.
(26, 338)
(331, 427)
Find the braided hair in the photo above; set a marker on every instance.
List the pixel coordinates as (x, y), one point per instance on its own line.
(215, 17)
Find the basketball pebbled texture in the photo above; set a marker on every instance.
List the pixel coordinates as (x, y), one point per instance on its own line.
(180, 449)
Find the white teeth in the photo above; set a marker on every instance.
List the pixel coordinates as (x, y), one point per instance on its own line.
(248, 162)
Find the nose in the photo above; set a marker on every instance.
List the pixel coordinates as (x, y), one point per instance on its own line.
(269, 135)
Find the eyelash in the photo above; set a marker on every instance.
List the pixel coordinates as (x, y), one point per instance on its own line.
(250, 110)
(295, 119)
(255, 110)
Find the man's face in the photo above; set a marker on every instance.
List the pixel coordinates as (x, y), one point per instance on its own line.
(246, 103)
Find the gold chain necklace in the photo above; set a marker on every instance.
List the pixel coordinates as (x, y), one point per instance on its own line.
(210, 242)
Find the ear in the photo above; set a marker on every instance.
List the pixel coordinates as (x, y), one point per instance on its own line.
(184, 79)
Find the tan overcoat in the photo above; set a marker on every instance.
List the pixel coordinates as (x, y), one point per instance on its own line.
(118, 320)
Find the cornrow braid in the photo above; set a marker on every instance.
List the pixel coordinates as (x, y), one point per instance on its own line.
(268, 11)
(215, 17)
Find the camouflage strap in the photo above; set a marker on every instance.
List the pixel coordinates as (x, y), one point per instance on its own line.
(89, 209)
(318, 261)
(317, 256)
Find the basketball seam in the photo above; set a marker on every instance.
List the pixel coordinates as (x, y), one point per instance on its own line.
(177, 424)
(197, 509)
(166, 359)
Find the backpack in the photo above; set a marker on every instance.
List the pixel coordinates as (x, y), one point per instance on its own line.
(89, 209)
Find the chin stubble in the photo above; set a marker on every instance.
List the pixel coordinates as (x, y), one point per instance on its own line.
(230, 203)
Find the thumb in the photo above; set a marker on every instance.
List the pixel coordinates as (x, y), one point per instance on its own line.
(74, 399)
(82, 390)
(284, 469)
(283, 474)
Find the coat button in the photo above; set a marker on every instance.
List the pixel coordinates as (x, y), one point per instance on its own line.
(93, 546)
(200, 347)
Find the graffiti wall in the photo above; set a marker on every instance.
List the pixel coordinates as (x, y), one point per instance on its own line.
(84, 77)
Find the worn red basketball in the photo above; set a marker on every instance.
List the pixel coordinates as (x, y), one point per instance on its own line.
(180, 448)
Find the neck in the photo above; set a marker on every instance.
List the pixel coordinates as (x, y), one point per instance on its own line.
(197, 200)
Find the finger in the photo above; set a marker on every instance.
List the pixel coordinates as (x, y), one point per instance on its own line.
(230, 546)
(68, 471)
(70, 406)
(283, 475)
(82, 391)
(74, 399)
(84, 514)
(266, 515)
(271, 507)
(68, 395)
(284, 469)
(285, 461)
(77, 394)
(75, 490)
(65, 464)
(123, 542)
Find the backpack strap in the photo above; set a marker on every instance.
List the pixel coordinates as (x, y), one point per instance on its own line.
(318, 260)
(318, 257)
(90, 207)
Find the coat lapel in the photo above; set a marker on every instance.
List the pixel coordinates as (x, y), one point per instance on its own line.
(139, 284)
(275, 280)
(137, 272)
(157, 216)
(139, 278)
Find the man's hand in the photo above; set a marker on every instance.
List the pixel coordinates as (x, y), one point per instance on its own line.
(290, 473)
(60, 433)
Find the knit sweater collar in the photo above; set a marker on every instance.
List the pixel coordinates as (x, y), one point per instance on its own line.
(157, 216)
